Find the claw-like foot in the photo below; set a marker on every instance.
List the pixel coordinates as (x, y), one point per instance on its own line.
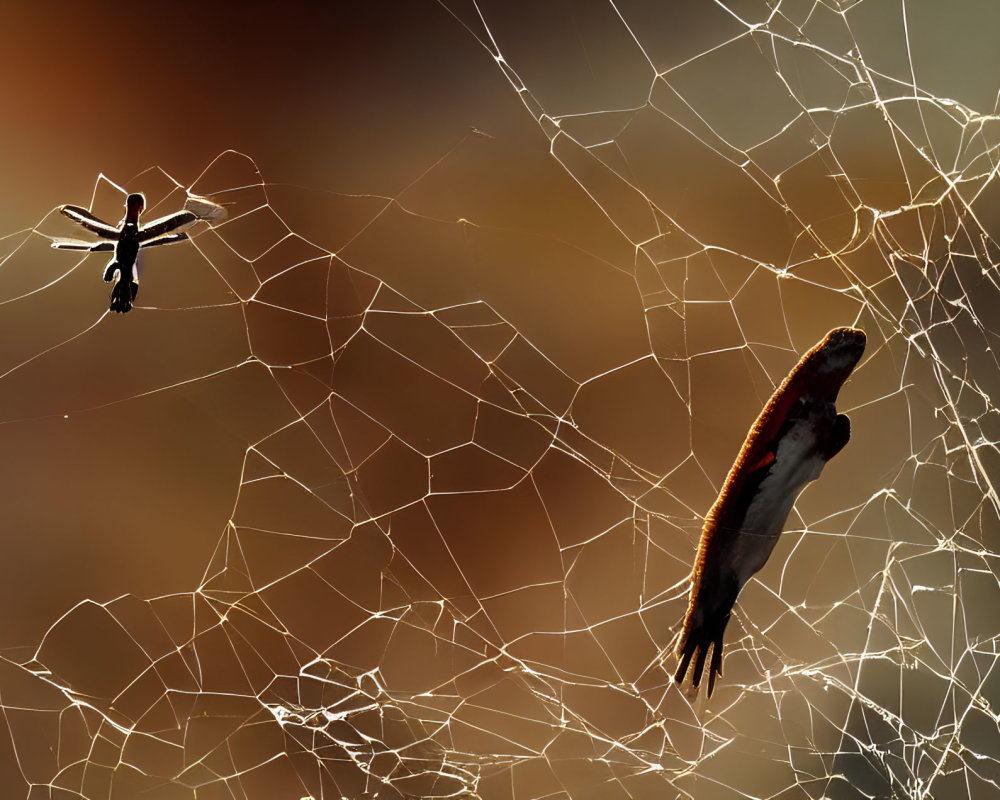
(123, 295)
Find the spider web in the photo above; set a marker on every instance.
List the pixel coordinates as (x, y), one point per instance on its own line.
(456, 443)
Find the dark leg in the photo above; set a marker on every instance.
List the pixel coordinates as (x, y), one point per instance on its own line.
(123, 295)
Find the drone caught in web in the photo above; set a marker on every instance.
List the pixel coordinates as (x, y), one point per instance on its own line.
(126, 239)
(790, 442)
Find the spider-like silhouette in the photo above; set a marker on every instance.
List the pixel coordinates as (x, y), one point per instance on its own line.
(126, 239)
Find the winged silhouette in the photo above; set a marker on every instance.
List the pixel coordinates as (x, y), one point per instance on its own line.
(125, 239)
(797, 432)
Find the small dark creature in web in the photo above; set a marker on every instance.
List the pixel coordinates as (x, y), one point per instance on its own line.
(125, 239)
(798, 431)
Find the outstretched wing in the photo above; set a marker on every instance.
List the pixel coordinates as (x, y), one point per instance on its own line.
(170, 238)
(76, 244)
(83, 217)
(204, 208)
(163, 225)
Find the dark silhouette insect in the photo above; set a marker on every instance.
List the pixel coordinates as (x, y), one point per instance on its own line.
(125, 239)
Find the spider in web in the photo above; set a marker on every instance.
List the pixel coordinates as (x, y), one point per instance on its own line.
(125, 239)
(798, 431)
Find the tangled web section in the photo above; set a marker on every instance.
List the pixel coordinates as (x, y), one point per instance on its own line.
(478, 430)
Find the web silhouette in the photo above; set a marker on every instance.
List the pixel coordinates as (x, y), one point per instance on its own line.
(478, 441)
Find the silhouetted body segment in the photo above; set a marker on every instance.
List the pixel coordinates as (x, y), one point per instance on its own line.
(798, 431)
(126, 240)
(124, 262)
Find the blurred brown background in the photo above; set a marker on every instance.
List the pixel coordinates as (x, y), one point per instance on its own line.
(346, 98)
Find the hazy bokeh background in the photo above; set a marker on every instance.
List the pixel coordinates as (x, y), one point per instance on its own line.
(391, 482)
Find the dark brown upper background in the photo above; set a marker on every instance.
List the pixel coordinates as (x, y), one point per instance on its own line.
(347, 95)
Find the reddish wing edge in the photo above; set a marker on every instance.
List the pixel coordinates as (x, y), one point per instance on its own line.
(819, 374)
